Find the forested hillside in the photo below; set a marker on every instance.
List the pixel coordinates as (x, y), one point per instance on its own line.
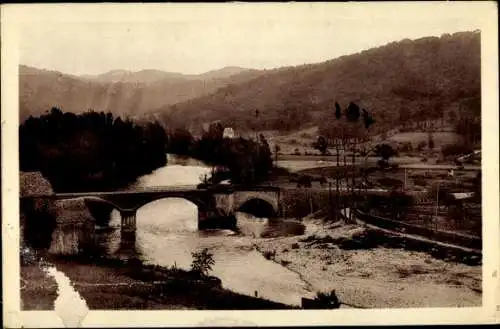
(427, 78)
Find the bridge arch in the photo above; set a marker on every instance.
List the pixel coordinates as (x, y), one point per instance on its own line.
(200, 204)
(257, 203)
(258, 207)
(140, 202)
(101, 207)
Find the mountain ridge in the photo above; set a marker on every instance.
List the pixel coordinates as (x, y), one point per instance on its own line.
(42, 89)
(402, 80)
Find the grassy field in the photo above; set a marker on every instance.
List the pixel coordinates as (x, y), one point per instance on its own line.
(301, 141)
(440, 138)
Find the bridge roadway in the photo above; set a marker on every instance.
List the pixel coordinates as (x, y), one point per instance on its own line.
(156, 189)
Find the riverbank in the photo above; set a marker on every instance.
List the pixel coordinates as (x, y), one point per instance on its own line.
(378, 277)
(107, 284)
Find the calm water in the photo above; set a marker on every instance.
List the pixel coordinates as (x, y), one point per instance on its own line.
(167, 233)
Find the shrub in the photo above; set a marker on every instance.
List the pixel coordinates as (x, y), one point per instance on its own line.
(28, 256)
(420, 181)
(329, 300)
(304, 180)
(295, 245)
(390, 182)
(269, 254)
(455, 149)
(406, 147)
(285, 262)
(202, 262)
(421, 146)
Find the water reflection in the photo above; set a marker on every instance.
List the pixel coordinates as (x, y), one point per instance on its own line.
(167, 233)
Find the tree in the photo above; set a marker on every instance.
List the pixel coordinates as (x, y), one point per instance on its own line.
(276, 152)
(348, 135)
(321, 145)
(338, 112)
(367, 119)
(385, 152)
(202, 262)
(452, 117)
(90, 151)
(352, 112)
(430, 141)
(180, 141)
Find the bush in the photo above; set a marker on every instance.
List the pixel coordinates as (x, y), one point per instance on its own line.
(382, 164)
(420, 181)
(455, 149)
(390, 182)
(421, 146)
(328, 299)
(269, 254)
(28, 256)
(304, 180)
(202, 262)
(406, 147)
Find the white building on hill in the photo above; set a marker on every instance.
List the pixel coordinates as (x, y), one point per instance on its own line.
(228, 133)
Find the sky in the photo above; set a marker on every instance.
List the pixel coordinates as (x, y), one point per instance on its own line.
(192, 39)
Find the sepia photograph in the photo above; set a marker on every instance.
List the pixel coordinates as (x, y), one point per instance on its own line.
(264, 157)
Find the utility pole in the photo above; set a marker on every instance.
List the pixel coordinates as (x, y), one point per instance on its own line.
(330, 200)
(256, 118)
(437, 199)
(437, 205)
(256, 141)
(337, 173)
(276, 148)
(405, 179)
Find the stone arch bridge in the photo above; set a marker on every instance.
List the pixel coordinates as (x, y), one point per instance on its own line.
(218, 202)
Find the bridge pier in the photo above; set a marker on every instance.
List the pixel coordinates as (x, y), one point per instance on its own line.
(128, 220)
(128, 233)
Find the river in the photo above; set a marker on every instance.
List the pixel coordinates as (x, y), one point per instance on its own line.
(167, 233)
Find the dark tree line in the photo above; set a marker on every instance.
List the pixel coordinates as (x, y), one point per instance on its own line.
(243, 161)
(90, 151)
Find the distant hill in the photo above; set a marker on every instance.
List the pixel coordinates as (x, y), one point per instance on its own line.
(151, 76)
(222, 73)
(399, 82)
(143, 76)
(120, 92)
(406, 81)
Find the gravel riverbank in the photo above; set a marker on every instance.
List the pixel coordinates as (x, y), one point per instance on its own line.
(378, 277)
